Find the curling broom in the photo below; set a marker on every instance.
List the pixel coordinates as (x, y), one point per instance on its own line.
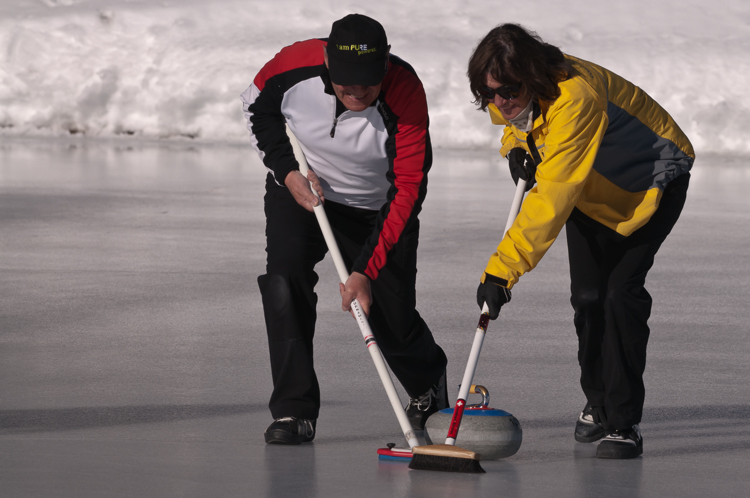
(359, 314)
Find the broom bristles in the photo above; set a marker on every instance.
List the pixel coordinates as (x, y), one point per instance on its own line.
(446, 458)
(446, 464)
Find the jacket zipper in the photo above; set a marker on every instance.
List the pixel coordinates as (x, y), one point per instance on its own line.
(333, 130)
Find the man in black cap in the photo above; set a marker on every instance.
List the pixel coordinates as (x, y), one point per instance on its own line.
(360, 115)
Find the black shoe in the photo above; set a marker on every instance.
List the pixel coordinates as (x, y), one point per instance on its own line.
(290, 430)
(419, 409)
(626, 443)
(588, 431)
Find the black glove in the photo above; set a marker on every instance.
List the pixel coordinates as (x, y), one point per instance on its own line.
(516, 159)
(494, 291)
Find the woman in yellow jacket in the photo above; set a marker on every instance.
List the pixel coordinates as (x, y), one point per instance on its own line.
(610, 165)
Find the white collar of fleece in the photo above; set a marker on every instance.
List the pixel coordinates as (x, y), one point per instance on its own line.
(525, 119)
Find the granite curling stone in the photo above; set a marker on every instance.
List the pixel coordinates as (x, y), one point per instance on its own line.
(490, 432)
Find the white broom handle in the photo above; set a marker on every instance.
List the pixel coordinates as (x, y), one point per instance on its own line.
(476, 346)
(516, 206)
(364, 326)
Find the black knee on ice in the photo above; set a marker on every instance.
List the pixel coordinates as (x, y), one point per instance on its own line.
(276, 291)
(288, 306)
(585, 299)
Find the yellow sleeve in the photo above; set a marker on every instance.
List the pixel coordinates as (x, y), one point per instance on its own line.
(576, 123)
(510, 141)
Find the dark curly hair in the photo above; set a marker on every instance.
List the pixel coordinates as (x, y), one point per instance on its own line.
(513, 55)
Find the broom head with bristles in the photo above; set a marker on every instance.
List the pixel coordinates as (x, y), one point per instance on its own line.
(445, 458)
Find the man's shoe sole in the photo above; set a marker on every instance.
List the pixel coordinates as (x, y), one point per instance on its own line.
(618, 451)
(283, 437)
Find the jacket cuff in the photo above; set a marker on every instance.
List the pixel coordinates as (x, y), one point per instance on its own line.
(495, 280)
(280, 171)
(360, 266)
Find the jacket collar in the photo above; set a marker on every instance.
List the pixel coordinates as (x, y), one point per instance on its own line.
(498, 119)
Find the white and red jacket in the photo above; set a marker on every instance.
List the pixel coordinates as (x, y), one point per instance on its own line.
(376, 159)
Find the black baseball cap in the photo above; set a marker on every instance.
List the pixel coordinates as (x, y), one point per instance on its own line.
(357, 51)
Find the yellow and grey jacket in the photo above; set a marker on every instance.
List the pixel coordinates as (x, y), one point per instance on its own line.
(607, 149)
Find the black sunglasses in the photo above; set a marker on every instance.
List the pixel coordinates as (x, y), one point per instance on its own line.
(508, 92)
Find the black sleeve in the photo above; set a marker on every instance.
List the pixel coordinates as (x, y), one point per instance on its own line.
(268, 127)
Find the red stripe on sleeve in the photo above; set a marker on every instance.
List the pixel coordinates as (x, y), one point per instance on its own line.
(406, 98)
(299, 54)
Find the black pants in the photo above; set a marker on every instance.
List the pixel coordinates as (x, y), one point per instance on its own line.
(294, 245)
(612, 307)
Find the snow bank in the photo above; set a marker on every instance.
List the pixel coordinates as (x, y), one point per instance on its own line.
(175, 69)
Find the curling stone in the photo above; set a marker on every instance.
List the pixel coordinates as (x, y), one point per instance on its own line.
(491, 433)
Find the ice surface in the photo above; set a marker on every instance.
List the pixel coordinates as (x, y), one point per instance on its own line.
(134, 362)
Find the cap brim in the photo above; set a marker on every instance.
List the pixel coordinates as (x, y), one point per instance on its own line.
(356, 73)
